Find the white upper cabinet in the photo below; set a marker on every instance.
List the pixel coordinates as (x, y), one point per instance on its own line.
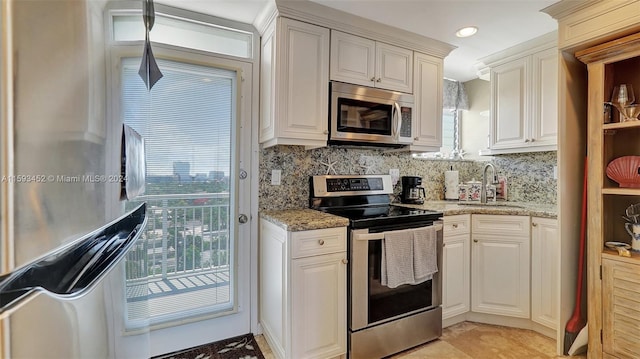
(294, 86)
(427, 80)
(361, 61)
(304, 45)
(509, 104)
(524, 97)
(544, 125)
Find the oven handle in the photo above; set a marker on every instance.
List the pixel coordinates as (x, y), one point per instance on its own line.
(378, 236)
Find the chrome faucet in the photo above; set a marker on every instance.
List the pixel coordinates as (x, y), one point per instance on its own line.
(483, 189)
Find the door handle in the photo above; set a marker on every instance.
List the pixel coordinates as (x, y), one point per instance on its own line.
(243, 218)
(397, 115)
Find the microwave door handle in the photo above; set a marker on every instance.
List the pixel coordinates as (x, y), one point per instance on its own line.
(398, 116)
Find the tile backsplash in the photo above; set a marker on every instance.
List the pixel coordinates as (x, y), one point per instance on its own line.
(529, 175)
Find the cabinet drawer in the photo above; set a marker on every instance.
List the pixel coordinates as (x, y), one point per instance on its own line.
(459, 224)
(502, 225)
(319, 241)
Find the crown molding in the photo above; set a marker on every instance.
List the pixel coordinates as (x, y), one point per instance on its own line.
(546, 41)
(317, 14)
(565, 8)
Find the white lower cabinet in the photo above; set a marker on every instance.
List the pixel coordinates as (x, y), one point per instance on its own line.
(456, 262)
(303, 282)
(500, 265)
(545, 246)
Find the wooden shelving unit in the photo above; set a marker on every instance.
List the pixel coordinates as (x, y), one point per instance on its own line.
(613, 255)
(610, 64)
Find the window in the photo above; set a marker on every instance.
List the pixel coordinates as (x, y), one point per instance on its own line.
(186, 258)
(187, 33)
(449, 128)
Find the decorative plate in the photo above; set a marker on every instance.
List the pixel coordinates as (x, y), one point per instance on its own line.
(614, 245)
(626, 171)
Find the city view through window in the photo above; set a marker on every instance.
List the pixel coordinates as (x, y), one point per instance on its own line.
(183, 263)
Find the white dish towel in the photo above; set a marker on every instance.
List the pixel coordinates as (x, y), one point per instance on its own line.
(397, 258)
(408, 257)
(425, 257)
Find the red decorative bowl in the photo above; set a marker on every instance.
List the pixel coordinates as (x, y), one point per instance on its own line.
(626, 171)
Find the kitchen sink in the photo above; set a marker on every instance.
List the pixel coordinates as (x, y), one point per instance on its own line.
(490, 204)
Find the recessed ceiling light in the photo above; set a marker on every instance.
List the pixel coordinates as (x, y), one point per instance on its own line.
(466, 31)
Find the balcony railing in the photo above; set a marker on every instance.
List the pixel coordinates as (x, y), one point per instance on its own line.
(187, 236)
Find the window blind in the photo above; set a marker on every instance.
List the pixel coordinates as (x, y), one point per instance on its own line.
(185, 120)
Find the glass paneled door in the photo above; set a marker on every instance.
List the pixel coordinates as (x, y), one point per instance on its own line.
(195, 257)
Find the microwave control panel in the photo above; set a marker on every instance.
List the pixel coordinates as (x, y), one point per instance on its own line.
(405, 128)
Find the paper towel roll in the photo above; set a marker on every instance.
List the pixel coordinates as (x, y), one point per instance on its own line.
(451, 185)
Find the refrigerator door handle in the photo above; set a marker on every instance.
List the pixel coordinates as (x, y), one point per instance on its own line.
(76, 268)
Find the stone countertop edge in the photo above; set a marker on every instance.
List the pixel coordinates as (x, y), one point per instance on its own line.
(450, 208)
(305, 219)
(296, 220)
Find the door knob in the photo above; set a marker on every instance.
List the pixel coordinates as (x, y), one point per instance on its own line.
(243, 218)
(345, 261)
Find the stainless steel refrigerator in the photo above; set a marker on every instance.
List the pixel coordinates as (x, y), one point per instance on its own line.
(65, 177)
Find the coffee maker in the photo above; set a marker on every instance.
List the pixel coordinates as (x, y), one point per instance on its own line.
(411, 190)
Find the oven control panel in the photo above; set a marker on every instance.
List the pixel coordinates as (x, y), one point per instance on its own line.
(347, 185)
(354, 184)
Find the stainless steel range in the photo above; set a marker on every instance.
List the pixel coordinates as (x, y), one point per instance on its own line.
(381, 320)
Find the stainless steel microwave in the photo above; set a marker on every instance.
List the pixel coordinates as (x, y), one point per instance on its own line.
(362, 115)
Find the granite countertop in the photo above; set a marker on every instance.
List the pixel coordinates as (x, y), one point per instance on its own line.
(295, 220)
(450, 208)
(305, 219)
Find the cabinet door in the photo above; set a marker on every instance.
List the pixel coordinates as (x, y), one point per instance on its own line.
(621, 308)
(394, 67)
(304, 91)
(544, 122)
(273, 288)
(455, 284)
(500, 275)
(427, 130)
(545, 246)
(300, 84)
(267, 83)
(352, 59)
(456, 264)
(509, 104)
(318, 306)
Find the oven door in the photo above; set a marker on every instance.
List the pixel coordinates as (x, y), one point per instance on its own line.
(372, 303)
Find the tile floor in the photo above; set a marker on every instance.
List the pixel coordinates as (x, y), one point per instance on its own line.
(469, 340)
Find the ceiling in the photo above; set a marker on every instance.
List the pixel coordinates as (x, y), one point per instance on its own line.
(501, 23)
